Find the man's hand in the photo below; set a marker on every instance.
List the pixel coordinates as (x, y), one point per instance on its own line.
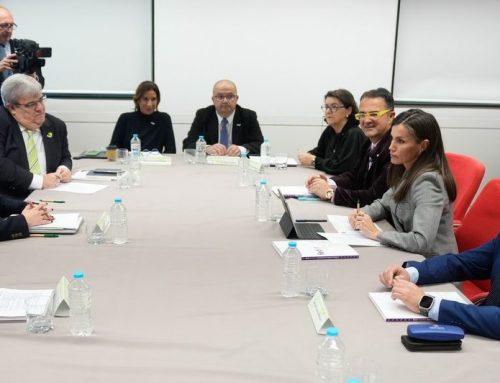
(306, 159)
(233, 151)
(216, 150)
(51, 180)
(8, 62)
(63, 173)
(318, 186)
(388, 276)
(37, 214)
(409, 293)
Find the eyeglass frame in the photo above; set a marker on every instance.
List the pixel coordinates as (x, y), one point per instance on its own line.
(32, 104)
(228, 98)
(376, 115)
(7, 26)
(331, 108)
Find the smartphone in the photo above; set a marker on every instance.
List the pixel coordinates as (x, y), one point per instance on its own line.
(413, 344)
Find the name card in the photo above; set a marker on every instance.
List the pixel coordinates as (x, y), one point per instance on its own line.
(319, 313)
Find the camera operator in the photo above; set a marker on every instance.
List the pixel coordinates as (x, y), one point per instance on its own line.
(8, 59)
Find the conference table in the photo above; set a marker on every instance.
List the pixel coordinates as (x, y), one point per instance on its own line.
(194, 296)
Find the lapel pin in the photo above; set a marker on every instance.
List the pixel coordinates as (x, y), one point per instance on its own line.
(49, 135)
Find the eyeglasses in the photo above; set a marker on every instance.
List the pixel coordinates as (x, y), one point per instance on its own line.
(33, 104)
(375, 115)
(332, 108)
(228, 98)
(6, 26)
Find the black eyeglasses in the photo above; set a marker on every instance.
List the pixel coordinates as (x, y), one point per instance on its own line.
(221, 98)
(332, 108)
(6, 26)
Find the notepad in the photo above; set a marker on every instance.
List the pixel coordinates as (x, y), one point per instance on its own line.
(64, 223)
(223, 160)
(396, 311)
(12, 302)
(318, 249)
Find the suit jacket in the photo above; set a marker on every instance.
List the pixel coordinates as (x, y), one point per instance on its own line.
(361, 184)
(12, 227)
(15, 177)
(423, 219)
(480, 263)
(245, 132)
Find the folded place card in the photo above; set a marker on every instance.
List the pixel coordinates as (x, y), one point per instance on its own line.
(319, 313)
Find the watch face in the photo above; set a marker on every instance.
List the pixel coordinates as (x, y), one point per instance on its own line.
(426, 302)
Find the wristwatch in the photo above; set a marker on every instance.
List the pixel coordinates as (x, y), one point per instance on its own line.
(329, 194)
(313, 162)
(425, 304)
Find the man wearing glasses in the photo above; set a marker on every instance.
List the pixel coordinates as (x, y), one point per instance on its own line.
(227, 128)
(7, 58)
(368, 180)
(34, 150)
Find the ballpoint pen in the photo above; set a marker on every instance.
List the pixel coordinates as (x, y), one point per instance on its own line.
(357, 207)
(48, 235)
(304, 198)
(311, 220)
(52, 201)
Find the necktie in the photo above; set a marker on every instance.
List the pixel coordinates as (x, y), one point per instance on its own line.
(32, 154)
(493, 298)
(224, 140)
(371, 156)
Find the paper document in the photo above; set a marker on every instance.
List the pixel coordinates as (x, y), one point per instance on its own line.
(352, 239)
(79, 187)
(155, 159)
(395, 310)
(291, 161)
(318, 249)
(12, 302)
(64, 223)
(223, 160)
(292, 191)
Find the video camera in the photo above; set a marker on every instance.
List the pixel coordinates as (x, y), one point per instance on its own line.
(30, 57)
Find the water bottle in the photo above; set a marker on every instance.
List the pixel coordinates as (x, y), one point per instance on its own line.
(135, 172)
(290, 282)
(135, 147)
(200, 156)
(118, 217)
(265, 155)
(331, 358)
(244, 169)
(262, 202)
(80, 303)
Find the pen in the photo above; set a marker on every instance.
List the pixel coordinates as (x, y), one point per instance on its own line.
(45, 235)
(46, 200)
(311, 220)
(357, 207)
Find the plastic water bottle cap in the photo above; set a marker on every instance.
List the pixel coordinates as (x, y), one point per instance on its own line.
(292, 244)
(135, 135)
(78, 274)
(118, 200)
(263, 182)
(266, 140)
(353, 380)
(332, 331)
(200, 136)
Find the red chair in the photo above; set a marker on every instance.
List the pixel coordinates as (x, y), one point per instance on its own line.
(480, 225)
(468, 173)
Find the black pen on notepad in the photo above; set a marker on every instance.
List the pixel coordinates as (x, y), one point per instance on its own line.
(51, 201)
(311, 220)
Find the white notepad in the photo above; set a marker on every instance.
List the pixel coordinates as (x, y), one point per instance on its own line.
(64, 223)
(396, 311)
(318, 249)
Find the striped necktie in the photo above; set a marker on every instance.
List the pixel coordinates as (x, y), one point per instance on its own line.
(224, 139)
(32, 154)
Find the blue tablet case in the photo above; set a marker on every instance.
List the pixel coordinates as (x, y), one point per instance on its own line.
(435, 332)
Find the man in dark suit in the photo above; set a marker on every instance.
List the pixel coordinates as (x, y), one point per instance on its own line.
(480, 263)
(24, 215)
(227, 128)
(7, 58)
(367, 181)
(34, 150)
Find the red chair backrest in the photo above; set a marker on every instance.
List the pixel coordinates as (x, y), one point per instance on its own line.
(480, 225)
(468, 173)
